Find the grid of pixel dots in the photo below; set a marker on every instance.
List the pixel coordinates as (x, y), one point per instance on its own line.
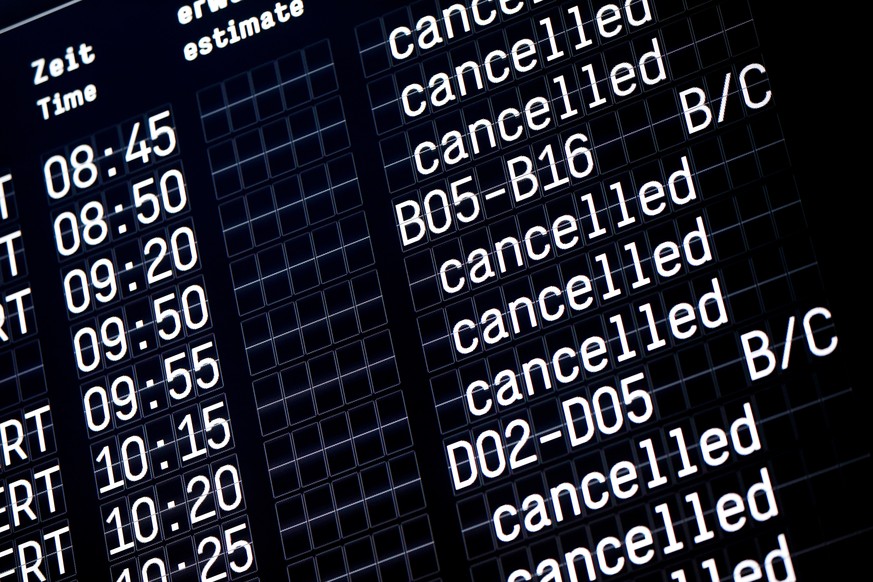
(337, 437)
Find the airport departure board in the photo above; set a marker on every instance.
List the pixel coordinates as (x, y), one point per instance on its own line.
(448, 290)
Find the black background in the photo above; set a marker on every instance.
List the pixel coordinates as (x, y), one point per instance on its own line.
(815, 66)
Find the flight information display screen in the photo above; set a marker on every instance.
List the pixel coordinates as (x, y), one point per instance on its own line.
(447, 290)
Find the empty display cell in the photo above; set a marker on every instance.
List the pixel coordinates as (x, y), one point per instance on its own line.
(292, 72)
(315, 185)
(376, 482)
(322, 519)
(332, 126)
(270, 402)
(381, 363)
(320, 69)
(213, 112)
(288, 198)
(281, 465)
(329, 252)
(341, 305)
(406, 481)
(345, 191)
(278, 147)
(390, 551)
(285, 328)
(304, 132)
(324, 377)
(331, 564)
(240, 102)
(235, 226)
(309, 454)
(259, 343)
(251, 158)
(293, 526)
(314, 322)
(367, 441)
(421, 555)
(387, 113)
(356, 375)
(267, 92)
(349, 497)
(246, 284)
(338, 443)
(368, 301)
(274, 280)
(225, 172)
(297, 391)
(394, 423)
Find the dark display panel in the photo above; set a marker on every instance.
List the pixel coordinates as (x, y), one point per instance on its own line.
(486, 290)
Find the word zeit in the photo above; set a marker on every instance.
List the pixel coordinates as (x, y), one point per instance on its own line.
(73, 59)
